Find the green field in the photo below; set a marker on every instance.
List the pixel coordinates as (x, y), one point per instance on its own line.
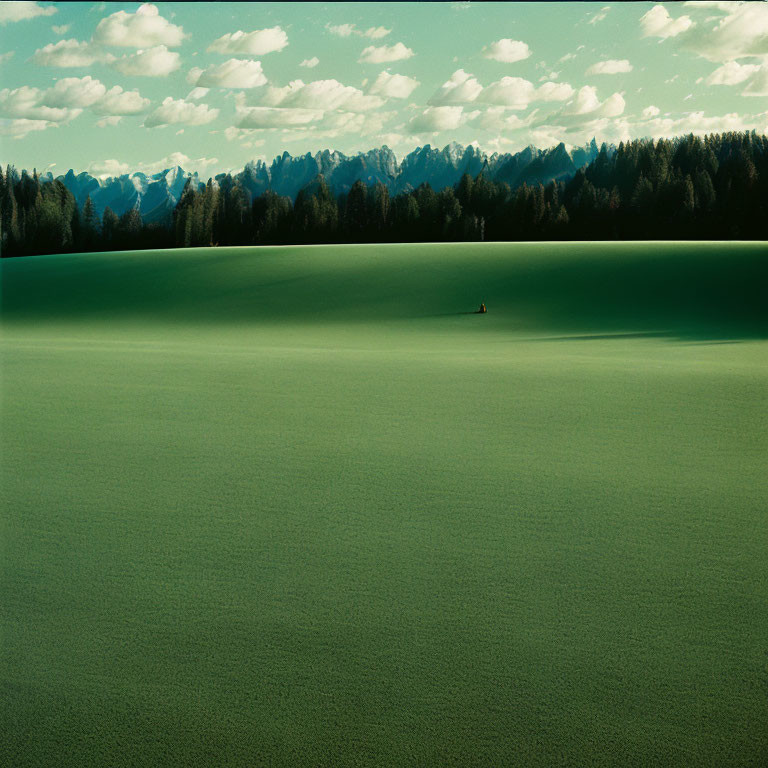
(298, 507)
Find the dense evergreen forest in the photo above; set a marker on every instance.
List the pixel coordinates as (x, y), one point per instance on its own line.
(713, 187)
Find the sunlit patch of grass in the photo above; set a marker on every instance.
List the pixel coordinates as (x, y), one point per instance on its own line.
(292, 507)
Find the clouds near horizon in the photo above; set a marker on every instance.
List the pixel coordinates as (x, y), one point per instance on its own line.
(272, 80)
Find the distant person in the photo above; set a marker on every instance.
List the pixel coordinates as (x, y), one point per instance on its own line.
(482, 310)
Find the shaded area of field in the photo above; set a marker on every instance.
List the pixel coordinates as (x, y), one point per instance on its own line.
(292, 508)
(682, 288)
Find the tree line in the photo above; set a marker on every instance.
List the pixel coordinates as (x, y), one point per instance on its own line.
(712, 187)
(42, 217)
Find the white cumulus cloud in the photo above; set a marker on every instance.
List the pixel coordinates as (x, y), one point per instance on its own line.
(153, 62)
(143, 29)
(18, 128)
(393, 86)
(61, 29)
(276, 117)
(554, 92)
(321, 95)
(758, 86)
(341, 30)
(511, 92)
(197, 93)
(376, 33)
(507, 51)
(117, 102)
(70, 53)
(658, 23)
(256, 43)
(741, 30)
(610, 67)
(588, 103)
(106, 168)
(28, 103)
(235, 73)
(732, 73)
(385, 53)
(649, 112)
(75, 92)
(180, 112)
(436, 119)
(21, 11)
(233, 133)
(347, 30)
(310, 63)
(586, 116)
(460, 88)
(613, 106)
(508, 92)
(499, 120)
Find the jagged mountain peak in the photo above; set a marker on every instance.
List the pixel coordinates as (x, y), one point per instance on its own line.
(157, 194)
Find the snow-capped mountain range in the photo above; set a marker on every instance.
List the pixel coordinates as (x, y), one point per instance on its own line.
(156, 195)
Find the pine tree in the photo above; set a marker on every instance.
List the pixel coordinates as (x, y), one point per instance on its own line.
(182, 215)
(450, 214)
(237, 215)
(356, 218)
(89, 225)
(10, 215)
(464, 192)
(210, 208)
(109, 226)
(129, 229)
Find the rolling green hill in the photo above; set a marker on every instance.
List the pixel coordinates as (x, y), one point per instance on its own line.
(297, 506)
(681, 288)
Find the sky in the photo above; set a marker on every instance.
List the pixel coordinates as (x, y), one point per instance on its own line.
(113, 88)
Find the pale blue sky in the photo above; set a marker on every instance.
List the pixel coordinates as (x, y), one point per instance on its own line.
(119, 87)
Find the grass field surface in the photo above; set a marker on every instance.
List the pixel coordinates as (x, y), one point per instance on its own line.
(298, 506)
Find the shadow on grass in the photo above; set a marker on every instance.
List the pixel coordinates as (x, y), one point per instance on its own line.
(697, 292)
(606, 336)
(452, 314)
(686, 336)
